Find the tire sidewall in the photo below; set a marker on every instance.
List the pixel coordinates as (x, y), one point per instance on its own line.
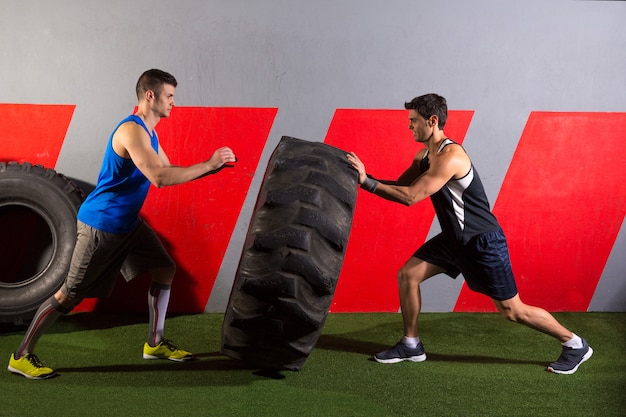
(56, 200)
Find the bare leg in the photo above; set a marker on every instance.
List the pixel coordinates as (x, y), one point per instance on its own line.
(536, 318)
(411, 275)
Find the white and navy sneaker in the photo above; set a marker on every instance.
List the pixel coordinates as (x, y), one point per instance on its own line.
(570, 359)
(401, 352)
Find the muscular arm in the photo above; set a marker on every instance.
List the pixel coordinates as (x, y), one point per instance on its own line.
(411, 173)
(132, 141)
(452, 162)
(406, 178)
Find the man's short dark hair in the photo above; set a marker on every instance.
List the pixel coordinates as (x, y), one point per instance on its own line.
(429, 105)
(153, 79)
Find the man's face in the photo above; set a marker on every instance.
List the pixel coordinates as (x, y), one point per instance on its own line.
(422, 131)
(165, 102)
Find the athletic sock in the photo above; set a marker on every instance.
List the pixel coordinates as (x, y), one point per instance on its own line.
(411, 342)
(49, 311)
(158, 300)
(574, 343)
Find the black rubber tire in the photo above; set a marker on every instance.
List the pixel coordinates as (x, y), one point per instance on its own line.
(38, 208)
(292, 256)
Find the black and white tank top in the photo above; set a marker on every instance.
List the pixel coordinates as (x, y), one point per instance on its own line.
(461, 205)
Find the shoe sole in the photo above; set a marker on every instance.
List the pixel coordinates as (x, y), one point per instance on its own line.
(25, 375)
(574, 369)
(418, 358)
(183, 359)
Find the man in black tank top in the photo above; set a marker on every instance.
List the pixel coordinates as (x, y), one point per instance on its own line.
(470, 240)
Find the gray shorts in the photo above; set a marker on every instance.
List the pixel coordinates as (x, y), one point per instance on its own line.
(99, 257)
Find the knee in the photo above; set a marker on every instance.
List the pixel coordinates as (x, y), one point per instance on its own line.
(512, 309)
(403, 275)
(66, 303)
(163, 275)
(407, 277)
(510, 315)
(517, 313)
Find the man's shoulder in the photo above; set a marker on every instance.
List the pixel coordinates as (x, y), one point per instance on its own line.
(452, 150)
(131, 129)
(454, 158)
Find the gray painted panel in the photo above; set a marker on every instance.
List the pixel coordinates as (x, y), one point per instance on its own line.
(610, 293)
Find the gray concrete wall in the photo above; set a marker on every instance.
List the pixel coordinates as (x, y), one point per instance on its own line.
(502, 59)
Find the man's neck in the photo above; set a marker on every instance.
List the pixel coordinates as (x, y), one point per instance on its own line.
(148, 117)
(435, 141)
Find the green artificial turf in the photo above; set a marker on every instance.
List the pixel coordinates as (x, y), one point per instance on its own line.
(478, 365)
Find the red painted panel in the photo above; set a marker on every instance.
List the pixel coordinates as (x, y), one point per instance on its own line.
(196, 220)
(561, 206)
(28, 133)
(384, 234)
(33, 132)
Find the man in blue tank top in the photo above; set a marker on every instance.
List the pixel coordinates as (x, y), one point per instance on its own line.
(112, 238)
(471, 240)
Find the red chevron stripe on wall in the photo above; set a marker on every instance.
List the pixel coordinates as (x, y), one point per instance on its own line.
(561, 206)
(196, 220)
(33, 132)
(384, 234)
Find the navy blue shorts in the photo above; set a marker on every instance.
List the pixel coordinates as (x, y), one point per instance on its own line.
(484, 262)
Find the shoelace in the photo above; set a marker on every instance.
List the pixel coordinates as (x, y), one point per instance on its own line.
(169, 344)
(34, 360)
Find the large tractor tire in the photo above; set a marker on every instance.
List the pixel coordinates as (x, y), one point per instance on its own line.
(38, 209)
(292, 256)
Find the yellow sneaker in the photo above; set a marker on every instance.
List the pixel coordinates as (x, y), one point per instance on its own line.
(166, 350)
(30, 366)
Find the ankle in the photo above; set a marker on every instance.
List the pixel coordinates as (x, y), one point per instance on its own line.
(411, 342)
(574, 343)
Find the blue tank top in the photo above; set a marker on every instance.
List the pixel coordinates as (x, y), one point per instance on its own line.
(114, 205)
